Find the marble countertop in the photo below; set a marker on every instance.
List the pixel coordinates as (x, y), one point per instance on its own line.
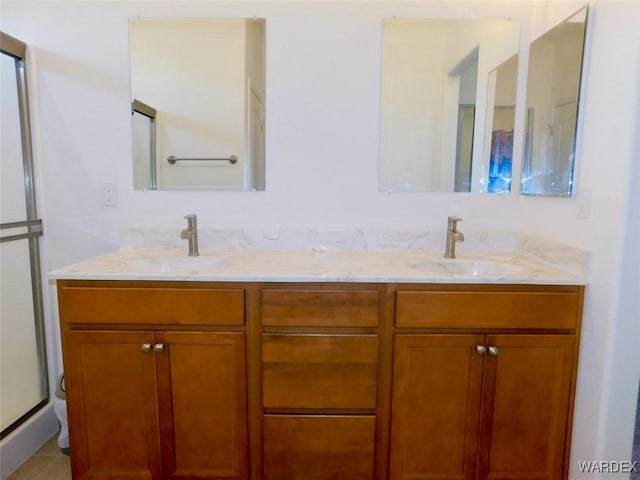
(255, 265)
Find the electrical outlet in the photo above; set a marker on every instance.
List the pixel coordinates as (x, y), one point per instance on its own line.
(109, 194)
(583, 209)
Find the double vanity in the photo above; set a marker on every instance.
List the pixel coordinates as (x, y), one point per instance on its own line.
(282, 364)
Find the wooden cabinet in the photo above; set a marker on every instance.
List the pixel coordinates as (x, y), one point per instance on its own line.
(112, 405)
(154, 403)
(322, 371)
(202, 405)
(453, 405)
(328, 376)
(483, 405)
(445, 306)
(153, 303)
(320, 358)
(525, 406)
(437, 385)
(316, 307)
(323, 381)
(319, 447)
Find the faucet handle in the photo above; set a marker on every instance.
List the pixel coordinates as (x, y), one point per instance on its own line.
(191, 216)
(454, 219)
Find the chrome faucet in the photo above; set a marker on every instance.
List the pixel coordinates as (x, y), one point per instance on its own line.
(453, 236)
(191, 233)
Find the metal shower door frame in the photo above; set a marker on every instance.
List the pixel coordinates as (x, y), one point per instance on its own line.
(15, 48)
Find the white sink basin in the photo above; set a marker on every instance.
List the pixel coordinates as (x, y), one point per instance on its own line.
(177, 264)
(472, 267)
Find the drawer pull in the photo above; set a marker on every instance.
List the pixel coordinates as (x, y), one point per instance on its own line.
(481, 349)
(145, 347)
(158, 347)
(493, 351)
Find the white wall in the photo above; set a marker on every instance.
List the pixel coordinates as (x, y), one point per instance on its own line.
(322, 116)
(623, 366)
(607, 148)
(411, 88)
(323, 103)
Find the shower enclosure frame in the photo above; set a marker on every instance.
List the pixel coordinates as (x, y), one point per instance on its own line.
(149, 112)
(15, 48)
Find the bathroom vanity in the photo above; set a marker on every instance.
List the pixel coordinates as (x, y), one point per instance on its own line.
(220, 374)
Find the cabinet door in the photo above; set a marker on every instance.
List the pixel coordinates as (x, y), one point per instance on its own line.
(525, 407)
(112, 407)
(435, 408)
(203, 404)
(319, 447)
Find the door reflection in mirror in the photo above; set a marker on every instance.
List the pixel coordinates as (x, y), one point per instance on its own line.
(464, 147)
(143, 125)
(466, 75)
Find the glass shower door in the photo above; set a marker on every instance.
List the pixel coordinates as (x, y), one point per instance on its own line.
(23, 372)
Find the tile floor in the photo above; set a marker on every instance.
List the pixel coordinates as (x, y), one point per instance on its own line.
(48, 463)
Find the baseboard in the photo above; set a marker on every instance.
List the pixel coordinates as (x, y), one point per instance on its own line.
(21, 444)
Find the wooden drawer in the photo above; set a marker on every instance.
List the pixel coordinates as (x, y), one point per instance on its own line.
(163, 303)
(318, 447)
(544, 307)
(320, 308)
(319, 371)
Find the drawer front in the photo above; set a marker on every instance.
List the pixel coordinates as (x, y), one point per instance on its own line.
(320, 308)
(162, 305)
(320, 371)
(543, 309)
(318, 447)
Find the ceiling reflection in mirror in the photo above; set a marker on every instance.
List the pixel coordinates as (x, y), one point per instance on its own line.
(437, 110)
(553, 90)
(198, 103)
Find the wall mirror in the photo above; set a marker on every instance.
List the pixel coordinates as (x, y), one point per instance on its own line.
(198, 103)
(442, 82)
(553, 91)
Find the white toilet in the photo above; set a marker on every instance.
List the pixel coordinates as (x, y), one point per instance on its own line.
(60, 409)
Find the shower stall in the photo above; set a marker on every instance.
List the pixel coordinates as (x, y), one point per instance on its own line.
(24, 386)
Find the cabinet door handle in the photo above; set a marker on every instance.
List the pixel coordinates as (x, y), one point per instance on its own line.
(158, 347)
(493, 351)
(145, 347)
(481, 349)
